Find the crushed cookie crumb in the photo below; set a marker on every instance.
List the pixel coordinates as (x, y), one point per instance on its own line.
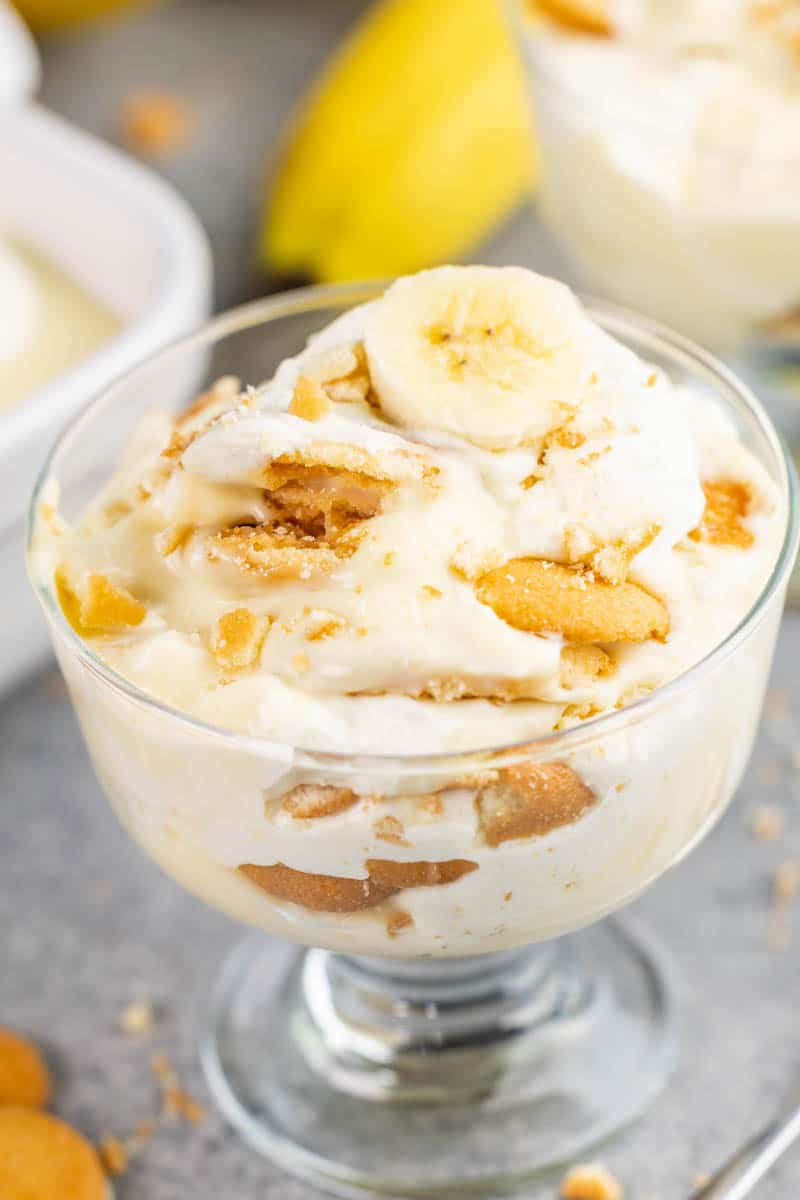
(155, 122)
(785, 889)
(186, 1106)
(114, 1155)
(389, 557)
(323, 624)
(170, 539)
(237, 638)
(786, 881)
(580, 665)
(507, 896)
(590, 1182)
(95, 605)
(397, 921)
(137, 1018)
(767, 823)
(430, 592)
(301, 663)
(563, 437)
(310, 400)
(48, 515)
(309, 801)
(389, 829)
(218, 399)
(175, 1101)
(160, 1066)
(728, 504)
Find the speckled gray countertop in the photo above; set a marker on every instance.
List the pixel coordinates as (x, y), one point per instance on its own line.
(89, 925)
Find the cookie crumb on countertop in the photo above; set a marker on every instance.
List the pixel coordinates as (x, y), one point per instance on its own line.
(590, 1182)
(113, 1155)
(767, 823)
(786, 881)
(155, 122)
(175, 1101)
(785, 889)
(138, 1017)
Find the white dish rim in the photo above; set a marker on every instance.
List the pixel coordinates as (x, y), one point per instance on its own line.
(22, 69)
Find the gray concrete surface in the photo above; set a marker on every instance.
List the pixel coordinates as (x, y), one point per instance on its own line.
(88, 924)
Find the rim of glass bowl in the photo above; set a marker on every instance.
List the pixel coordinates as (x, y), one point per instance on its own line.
(627, 116)
(614, 319)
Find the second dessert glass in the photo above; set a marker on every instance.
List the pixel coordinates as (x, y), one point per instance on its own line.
(448, 1039)
(691, 231)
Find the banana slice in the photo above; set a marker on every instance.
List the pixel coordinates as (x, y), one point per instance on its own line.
(581, 16)
(493, 354)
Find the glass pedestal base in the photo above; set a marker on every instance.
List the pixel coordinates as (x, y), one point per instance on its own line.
(437, 1078)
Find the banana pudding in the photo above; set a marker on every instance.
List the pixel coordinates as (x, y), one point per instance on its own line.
(669, 133)
(49, 321)
(360, 619)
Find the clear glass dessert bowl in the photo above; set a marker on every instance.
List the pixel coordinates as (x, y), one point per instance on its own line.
(448, 1030)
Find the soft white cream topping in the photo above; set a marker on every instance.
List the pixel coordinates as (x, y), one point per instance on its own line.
(237, 445)
(389, 647)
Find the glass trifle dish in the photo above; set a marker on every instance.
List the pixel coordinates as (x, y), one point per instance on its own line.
(441, 644)
(669, 133)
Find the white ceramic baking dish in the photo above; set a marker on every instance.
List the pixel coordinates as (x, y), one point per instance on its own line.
(117, 227)
(19, 62)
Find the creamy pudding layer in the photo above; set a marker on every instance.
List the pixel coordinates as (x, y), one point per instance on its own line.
(48, 321)
(462, 517)
(670, 132)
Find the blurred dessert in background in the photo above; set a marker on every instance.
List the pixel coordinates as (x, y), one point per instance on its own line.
(48, 320)
(669, 134)
(463, 517)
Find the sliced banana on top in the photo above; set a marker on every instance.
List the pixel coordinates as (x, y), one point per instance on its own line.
(492, 354)
(579, 16)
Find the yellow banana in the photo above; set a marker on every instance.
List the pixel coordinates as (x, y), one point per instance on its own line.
(43, 15)
(412, 145)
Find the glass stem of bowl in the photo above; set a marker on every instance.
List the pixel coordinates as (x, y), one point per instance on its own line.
(434, 1031)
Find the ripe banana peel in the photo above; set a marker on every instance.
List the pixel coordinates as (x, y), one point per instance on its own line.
(43, 15)
(412, 145)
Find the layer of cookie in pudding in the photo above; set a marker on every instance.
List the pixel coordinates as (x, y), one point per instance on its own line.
(462, 517)
(670, 133)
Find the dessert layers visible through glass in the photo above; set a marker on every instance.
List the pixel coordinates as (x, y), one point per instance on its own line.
(446, 639)
(409, 572)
